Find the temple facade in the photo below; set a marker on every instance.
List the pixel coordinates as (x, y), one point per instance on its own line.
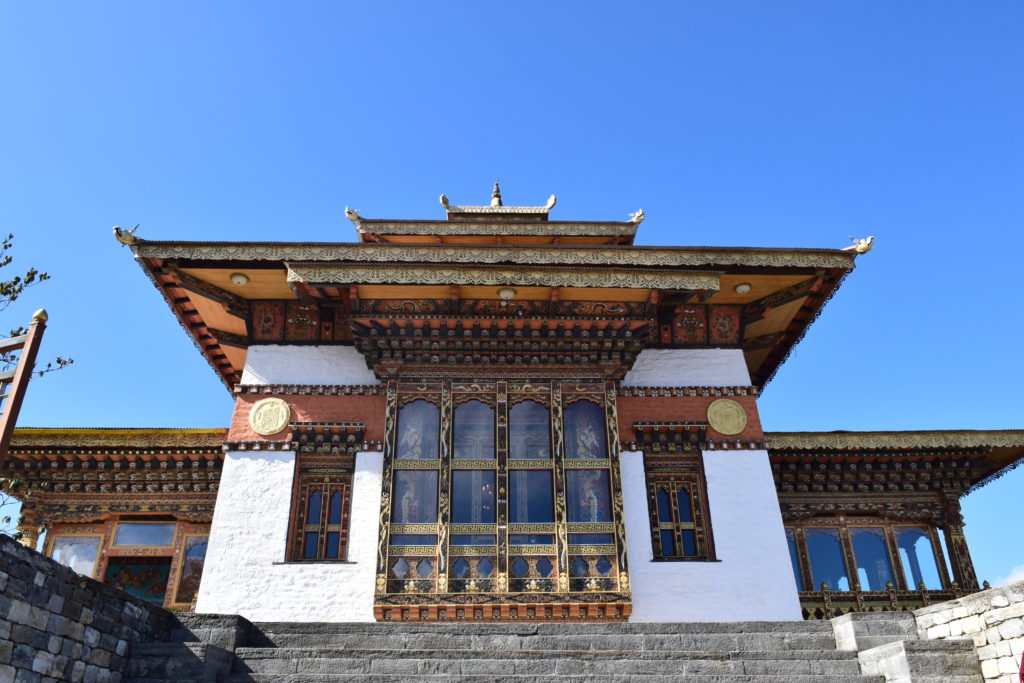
(494, 416)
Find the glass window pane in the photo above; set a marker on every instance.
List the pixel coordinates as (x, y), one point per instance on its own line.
(473, 497)
(794, 557)
(664, 507)
(591, 539)
(529, 434)
(530, 497)
(472, 539)
(474, 431)
(192, 568)
(668, 543)
(309, 547)
(871, 552)
(584, 431)
(145, 533)
(418, 427)
(918, 558)
(413, 539)
(415, 497)
(689, 543)
(588, 497)
(531, 539)
(313, 508)
(333, 539)
(685, 508)
(334, 512)
(826, 555)
(77, 553)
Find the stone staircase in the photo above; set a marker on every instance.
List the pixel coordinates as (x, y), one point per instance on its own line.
(760, 652)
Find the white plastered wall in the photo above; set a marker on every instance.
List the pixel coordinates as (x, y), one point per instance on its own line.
(753, 579)
(317, 365)
(688, 368)
(245, 572)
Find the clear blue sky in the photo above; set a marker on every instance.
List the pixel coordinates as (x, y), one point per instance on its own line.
(739, 123)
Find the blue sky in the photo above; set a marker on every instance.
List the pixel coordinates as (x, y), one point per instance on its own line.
(740, 123)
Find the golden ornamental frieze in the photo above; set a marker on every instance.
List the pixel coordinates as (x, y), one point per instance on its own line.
(620, 256)
(539, 277)
(1007, 438)
(135, 440)
(473, 227)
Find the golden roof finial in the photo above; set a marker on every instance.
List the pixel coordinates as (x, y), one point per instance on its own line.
(40, 316)
(496, 195)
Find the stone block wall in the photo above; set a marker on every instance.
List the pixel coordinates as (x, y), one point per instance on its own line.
(57, 625)
(994, 619)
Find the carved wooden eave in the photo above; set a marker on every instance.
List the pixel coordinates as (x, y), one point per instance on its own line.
(970, 457)
(668, 257)
(76, 475)
(334, 286)
(554, 276)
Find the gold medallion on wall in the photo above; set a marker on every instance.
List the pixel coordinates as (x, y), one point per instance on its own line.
(727, 416)
(269, 416)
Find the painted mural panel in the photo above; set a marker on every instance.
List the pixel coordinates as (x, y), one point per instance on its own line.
(145, 580)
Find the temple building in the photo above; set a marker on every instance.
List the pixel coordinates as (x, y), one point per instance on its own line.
(497, 416)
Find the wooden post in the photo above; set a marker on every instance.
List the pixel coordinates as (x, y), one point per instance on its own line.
(16, 381)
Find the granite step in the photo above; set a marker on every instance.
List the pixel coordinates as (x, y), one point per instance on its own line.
(728, 642)
(590, 678)
(544, 628)
(548, 663)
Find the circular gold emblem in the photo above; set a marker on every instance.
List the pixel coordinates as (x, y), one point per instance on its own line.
(727, 416)
(269, 416)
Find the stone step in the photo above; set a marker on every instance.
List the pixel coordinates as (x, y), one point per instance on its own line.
(295, 662)
(735, 642)
(285, 662)
(638, 678)
(544, 628)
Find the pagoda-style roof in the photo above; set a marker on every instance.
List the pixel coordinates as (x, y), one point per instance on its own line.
(492, 285)
(979, 455)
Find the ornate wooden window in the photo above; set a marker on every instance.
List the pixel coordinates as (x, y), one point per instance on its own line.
(501, 500)
(321, 515)
(866, 554)
(677, 503)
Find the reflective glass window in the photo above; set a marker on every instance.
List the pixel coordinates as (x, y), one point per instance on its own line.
(415, 497)
(418, 428)
(530, 497)
(334, 513)
(794, 557)
(474, 431)
(145, 533)
(584, 431)
(871, 552)
(77, 553)
(529, 436)
(826, 554)
(473, 497)
(588, 496)
(192, 567)
(918, 558)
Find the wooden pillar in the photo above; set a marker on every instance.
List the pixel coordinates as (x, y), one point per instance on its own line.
(960, 557)
(28, 526)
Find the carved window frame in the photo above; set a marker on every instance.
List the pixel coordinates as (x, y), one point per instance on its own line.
(889, 528)
(318, 474)
(673, 473)
(504, 584)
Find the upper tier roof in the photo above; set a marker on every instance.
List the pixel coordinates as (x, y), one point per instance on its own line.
(493, 275)
(496, 224)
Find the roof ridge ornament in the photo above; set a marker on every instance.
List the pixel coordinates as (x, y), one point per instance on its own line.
(637, 217)
(496, 195)
(353, 215)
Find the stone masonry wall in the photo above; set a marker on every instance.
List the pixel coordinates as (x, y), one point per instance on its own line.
(56, 625)
(993, 618)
